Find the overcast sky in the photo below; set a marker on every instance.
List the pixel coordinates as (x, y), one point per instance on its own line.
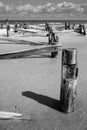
(43, 9)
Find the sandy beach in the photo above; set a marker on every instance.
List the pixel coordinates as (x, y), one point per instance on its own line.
(31, 85)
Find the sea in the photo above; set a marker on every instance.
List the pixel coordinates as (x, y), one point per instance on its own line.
(44, 21)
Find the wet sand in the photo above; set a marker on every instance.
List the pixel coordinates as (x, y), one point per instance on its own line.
(31, 86)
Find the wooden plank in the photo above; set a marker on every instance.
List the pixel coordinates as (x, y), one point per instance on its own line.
(27, 30)
(9, 115)
(38, 50)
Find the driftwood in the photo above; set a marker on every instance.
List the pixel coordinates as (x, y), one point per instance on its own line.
(69, 74)
(81, 29)
(38, 50)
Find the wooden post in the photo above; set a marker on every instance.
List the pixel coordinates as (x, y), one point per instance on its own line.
(53, 41)
(16, 28)
(69, 74)
(84, 30)
(65, 25)
(7, 27)
(1, 25)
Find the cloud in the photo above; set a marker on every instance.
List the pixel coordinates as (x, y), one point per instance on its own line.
(50, 8)
(1, 4)
(84, 7)
(69, 8)
(47, 9)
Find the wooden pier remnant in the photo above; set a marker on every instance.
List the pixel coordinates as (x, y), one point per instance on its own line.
(54, 41)
(35, 51)
(69, 74)
(81, 29)
(67, 25)
(7, 27)
(2, 26)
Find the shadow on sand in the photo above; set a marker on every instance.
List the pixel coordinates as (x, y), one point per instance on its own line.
(45, 100)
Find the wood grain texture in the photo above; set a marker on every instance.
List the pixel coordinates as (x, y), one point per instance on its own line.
(69, 74)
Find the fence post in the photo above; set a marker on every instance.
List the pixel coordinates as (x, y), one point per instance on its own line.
(69, 74)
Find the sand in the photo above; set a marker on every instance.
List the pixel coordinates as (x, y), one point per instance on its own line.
(31, 85)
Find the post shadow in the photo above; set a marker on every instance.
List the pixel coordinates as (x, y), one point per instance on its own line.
(45, 100)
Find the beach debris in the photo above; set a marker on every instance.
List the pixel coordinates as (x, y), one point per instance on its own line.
(1, 26)
(69, 74)
(9, 115)
(25, 25)
(81, 29)
(53, 40)
(84, 30)
(33, 31)
(67, 25)
(48, 28)
(35, 51)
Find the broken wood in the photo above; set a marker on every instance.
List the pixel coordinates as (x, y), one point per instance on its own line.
(69, 74)
(81, 29)
(38, 50)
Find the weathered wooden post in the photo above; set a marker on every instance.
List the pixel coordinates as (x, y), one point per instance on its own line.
(69, 74)
(84, 30)
(65, 25)
(7, 27)
(80, 29)
(1, 25)
(54, 40)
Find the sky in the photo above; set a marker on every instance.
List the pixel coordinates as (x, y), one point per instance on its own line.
(43, 9)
